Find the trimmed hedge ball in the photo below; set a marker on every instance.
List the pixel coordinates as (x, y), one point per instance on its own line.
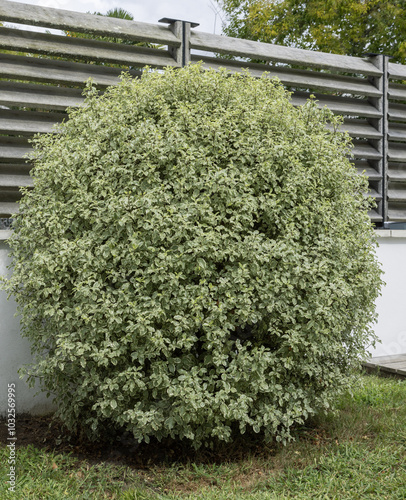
(195, 259)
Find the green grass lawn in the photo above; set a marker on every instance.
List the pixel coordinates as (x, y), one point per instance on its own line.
(357, 453)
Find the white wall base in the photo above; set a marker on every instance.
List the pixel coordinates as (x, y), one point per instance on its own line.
(14, 352)
(391, 305)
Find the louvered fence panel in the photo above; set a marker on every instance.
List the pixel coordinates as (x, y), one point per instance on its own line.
(397, 144)
(41, 74)
(44, 73)
(349, 86)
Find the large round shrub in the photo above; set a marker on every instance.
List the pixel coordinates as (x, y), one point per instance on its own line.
(195, 259)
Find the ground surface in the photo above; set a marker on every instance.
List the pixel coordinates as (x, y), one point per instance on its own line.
(48, 434)
(357, 452)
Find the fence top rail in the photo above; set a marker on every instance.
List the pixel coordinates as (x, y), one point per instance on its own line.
(48, 17)
(132, 30)
(279, 53)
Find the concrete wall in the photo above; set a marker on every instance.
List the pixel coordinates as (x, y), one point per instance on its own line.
(391, 326)
(15, 352)
(391, 306)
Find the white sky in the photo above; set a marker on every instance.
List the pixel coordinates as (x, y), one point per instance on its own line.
(147, 11)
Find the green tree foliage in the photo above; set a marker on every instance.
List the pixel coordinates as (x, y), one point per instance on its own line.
(195, 259)
(350, 27)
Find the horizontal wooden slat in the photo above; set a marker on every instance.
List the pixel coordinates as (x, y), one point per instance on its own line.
(83, 48)
(397, 91)
(8, 208)
(39, 96)
(397, 71)
(363, 167)
(397, 195)
(375, 216)
(26, 122)
(397, 172)
(15, 181)
(14, 167)
(397, 214)
(258, 50)
(339, 105)
(397, 132)
(13, 149)
(5, 234)
(360, 128)
(387, 360)
(374, 194)
(397, 152)
(47, 17)
(10, 193)
(397, 111)
(365, 150)
(62, 72)
(314, 80)
(297, 78)
(14, 172)
(399, 365)
(394, 365)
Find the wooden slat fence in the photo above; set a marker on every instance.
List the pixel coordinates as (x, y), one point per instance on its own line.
(41, 74)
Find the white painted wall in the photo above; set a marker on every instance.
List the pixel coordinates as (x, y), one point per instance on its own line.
(391, 326)
(15, 352)
(391, 306)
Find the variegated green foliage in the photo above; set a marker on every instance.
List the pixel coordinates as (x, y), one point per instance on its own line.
(195, 259)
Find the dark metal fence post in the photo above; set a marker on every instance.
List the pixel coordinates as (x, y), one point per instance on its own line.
(181, 29)
(381, 124)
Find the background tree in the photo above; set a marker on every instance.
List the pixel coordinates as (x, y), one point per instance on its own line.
(350, 27)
